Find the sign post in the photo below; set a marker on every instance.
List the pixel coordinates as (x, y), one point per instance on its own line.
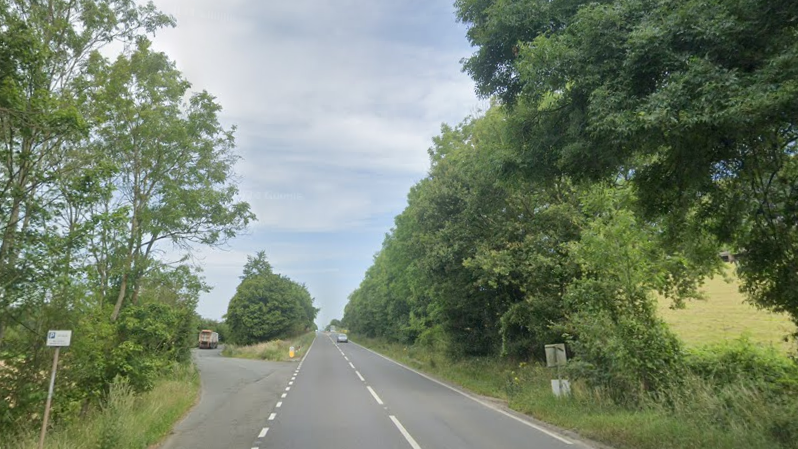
(555, 358)
(57, 339)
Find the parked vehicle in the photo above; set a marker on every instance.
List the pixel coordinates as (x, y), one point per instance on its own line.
(208, 339)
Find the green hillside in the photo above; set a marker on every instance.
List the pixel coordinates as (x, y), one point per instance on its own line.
(725, 315)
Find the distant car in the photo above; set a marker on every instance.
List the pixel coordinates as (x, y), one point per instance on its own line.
(342, 338)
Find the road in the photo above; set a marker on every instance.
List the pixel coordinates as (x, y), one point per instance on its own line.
(237, 396)
(343, 396)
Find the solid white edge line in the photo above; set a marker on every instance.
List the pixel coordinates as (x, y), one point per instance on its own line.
(306, 354)
(405, 433)
(272, 416)
(360, 376)
(263, 432)
(373, 393)
(488, 405)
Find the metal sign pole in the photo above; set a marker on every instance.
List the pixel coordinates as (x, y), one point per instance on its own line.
(49, 398)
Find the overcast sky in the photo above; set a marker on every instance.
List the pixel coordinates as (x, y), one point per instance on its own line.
(336, 103)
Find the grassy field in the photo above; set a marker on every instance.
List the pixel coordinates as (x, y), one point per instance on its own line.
(276, 350)
(128, 421)
(725, 315)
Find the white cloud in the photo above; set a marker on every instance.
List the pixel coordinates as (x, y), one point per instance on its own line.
(336, 102)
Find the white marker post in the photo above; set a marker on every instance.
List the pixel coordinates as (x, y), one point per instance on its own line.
(57, 339)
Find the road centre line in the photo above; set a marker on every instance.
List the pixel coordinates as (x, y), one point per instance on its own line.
(359, 375)
(486, 404)
(405, 433)
(288, 388)
(353, 366)
(373, 393)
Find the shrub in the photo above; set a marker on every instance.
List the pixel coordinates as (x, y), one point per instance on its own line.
(627, 358)
(742, 360)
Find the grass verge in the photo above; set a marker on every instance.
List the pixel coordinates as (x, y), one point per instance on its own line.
(527, 389)
(128, 420)
(275, 350)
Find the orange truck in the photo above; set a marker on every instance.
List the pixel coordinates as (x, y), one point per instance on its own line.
(208, 339)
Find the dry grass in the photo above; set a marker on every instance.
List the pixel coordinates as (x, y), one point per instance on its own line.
(275, 350)
(725, 315)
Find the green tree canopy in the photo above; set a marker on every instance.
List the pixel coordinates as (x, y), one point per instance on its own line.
(268, 305)
(693, 102)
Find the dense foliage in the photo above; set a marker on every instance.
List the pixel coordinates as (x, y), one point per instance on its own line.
(106, 164)
(268, 306)
(483, 262)
(628, 143)
(693, 101)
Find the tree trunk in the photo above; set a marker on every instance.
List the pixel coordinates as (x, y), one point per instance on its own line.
(9, 234)
(131, 253)
(122, 288)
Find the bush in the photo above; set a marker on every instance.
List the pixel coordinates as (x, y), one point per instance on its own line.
(627, 358)
(742, 360)
(740, 388)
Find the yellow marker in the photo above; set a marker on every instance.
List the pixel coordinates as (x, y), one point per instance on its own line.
(291, 352)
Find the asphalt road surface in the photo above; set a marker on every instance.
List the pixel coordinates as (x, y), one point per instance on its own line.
(343, 396)
(237, 397)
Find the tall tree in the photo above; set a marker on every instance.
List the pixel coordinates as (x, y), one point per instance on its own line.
(43, 50)
(174, 161)
(692, 101)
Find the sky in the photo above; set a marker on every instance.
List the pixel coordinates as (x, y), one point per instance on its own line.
(335, 103)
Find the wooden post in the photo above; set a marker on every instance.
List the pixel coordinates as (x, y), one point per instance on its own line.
(49, 399)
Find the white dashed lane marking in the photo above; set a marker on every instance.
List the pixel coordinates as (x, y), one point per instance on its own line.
(373, 393)
(263, 432)
(405, 433)
(479, 401)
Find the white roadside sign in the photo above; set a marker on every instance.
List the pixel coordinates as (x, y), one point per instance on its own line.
(59, 338)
